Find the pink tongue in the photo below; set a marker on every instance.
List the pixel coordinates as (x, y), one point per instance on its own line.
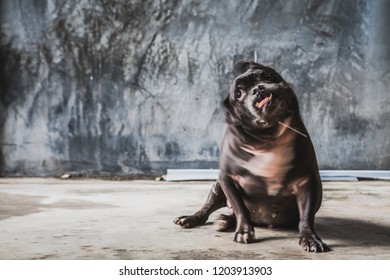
(262, 103)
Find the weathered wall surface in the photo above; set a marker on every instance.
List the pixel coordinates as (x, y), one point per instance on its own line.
(125, 87)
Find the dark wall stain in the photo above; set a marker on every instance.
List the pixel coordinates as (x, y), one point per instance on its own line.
(351, 124)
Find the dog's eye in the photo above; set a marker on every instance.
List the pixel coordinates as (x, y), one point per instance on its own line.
(237, 94)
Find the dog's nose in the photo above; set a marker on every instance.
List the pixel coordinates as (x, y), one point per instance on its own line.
(259, 91)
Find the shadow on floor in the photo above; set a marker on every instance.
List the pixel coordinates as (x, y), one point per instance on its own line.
(353, 232)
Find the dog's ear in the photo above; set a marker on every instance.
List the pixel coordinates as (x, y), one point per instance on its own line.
(226, 103)
(227, 106)
(230, 114)
(242, 66)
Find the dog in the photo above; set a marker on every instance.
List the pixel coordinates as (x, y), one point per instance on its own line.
(268, 168)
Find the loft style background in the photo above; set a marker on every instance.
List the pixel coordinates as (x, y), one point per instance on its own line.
(117, 87)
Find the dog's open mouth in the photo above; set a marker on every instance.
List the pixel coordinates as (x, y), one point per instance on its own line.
(261, 103)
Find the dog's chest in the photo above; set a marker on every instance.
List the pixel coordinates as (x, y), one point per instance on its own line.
(271, 165)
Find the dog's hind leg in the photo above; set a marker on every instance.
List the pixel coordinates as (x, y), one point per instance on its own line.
(226, 222)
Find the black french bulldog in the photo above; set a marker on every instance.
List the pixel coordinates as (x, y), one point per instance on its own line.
(268, 168)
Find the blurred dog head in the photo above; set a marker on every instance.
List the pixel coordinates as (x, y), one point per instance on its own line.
(259, 97)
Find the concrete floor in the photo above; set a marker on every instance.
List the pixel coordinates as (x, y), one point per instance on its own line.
(96, 219)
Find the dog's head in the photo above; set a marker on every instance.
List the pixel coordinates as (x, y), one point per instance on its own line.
(259, 97)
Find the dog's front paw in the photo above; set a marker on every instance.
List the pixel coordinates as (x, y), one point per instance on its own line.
(245, 234)
(189, 221)
(311, 242)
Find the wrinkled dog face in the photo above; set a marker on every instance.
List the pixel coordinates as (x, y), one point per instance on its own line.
(259, 97)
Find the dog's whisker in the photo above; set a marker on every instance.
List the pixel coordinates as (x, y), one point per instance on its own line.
(293, 129)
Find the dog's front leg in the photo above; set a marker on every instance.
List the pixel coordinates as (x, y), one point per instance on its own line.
(307, 203)
(244, 230)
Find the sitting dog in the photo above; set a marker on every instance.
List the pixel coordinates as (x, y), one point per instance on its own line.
(268, 169)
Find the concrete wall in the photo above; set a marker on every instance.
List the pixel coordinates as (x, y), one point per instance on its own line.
(134, 87)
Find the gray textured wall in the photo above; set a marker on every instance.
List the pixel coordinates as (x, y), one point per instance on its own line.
(125, 87)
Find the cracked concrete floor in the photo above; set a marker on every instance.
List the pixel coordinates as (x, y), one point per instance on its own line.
(97, 219)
